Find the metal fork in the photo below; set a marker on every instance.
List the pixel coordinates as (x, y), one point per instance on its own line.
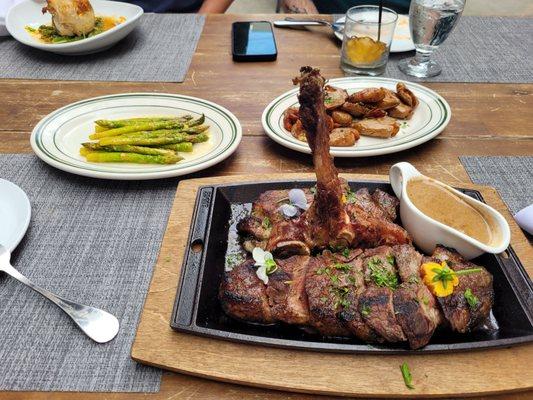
(290, 22)
(99, 325)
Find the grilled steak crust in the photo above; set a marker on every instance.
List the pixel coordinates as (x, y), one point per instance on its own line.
(290, 237)
(377, 309)
(325, 285)
(243, 295)
(416, 307)
(388, 203)
(286, 291)
(461, 316)
(351, 312)
(376, 302)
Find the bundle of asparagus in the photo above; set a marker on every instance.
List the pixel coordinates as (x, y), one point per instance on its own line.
(145, 140)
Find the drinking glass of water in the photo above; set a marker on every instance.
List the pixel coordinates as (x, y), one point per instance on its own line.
(431, 22)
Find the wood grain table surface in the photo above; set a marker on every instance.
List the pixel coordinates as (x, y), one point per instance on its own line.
(487, 119)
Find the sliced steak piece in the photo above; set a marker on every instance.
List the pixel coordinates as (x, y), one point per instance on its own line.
(376, 302)
(326, 288)
(388, 203)
(408, 262)
(351, 312)
(377, 309)
(416, 307)
(243, 295)
(462, 316)
(286, 291)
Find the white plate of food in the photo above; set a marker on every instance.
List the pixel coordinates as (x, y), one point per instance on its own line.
(15, 213)
(77, 26)
(426, 120)
(159, 127)
(401, 41)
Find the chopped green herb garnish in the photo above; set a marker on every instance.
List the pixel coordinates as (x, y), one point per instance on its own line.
(351, 279)
(328, 100)
(343, 267)
(266, 223)
(425, 300)
(390, 259)
(350, 196)
(407, 377)
(233, 259)
(346, 252)
(382, 276)
(334, 279)
(472, 300)
(323, 299)
(365, 310)
(414, 279)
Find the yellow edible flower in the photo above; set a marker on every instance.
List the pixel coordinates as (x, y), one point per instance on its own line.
(439, 278)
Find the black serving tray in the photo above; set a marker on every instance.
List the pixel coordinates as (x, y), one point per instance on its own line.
(197, 309)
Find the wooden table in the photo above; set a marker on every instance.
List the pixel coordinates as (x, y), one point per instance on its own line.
(487, 119)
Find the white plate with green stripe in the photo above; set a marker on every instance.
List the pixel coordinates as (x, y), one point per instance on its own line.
(57, 137)
(429, 119)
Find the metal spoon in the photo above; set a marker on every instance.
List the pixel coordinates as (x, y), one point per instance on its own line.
(293, 23)
(99, 325)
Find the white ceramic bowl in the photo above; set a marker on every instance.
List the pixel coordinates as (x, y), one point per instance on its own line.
(427, 232)
(28, 13)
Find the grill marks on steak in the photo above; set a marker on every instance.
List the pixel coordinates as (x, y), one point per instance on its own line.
(461, 316)
(376, 302)
(286, 291)
(243, 295)
(415, 306)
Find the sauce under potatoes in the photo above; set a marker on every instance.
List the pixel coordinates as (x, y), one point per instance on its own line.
(439, 203)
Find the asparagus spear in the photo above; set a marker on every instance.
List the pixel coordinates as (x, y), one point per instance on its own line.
(132, 149)
(142, 126)
(198, 121)
(183, 146)
(151, 134)
(196, 129)
(119, 123)
(200, 138)
(143, 141)
(103, 156)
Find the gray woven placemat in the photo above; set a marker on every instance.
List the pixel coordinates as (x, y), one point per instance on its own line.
(480, 49)
(511, 176)
(91, 241)
(160, 49)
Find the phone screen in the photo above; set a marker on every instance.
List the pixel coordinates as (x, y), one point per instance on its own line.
(253, 38)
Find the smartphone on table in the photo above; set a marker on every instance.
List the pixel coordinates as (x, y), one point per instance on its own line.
(253, 41)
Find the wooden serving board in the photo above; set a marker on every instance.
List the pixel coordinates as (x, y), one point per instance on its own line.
(434, 375)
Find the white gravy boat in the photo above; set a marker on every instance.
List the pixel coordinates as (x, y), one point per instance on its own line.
(427, 232)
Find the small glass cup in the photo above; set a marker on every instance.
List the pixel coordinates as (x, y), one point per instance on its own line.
(366, 45)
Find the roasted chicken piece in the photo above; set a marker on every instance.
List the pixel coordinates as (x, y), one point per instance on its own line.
(401, 111)
(334, 97)
(341, 118)
(369, 95)
(406, 96)
(389, 101)
(71, 17)
(290, 116)
(384, 127)
(343, 137)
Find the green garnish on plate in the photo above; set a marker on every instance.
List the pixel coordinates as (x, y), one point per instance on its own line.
(407, 377)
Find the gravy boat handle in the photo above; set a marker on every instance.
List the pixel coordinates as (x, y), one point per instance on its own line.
(399, 174)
